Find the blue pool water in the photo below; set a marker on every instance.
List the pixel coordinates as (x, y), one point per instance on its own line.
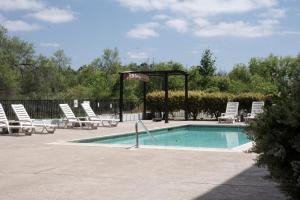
(184, 136)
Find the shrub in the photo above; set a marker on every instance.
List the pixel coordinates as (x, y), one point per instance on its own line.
(155, 101)
(245, 100)
(198, 101)
(277, 139)
(215, 103)
(195, 105)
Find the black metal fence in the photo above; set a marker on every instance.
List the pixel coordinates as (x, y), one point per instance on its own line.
(49, 109)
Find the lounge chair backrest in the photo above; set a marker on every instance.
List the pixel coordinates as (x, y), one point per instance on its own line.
(20, 112)
(232, 108)
(67, 111)
(3, 117)
(88, 110)
(257, 107)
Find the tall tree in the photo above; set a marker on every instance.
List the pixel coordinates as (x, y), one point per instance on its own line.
(207, 66)
(15, 54)
(110, 61)
(61, 59)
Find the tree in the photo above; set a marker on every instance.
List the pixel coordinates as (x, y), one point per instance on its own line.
(207, 66)
(276, 137)
(240, 72)
(59, 57)
(110, 61)
(14, 55)
(207, 69)
(9, 85)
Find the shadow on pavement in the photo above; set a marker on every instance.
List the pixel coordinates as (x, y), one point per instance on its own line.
(248, 185)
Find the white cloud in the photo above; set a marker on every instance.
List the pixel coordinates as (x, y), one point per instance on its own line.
(137, 55)
(289, 33)
(144, 31)
(147, 4)
(199, 7)
(18, 25)
(238, 28)
(12, 5)
(178, 24)
(54, 15)
(160, 17)
(274, 13)
(50, 44)
(182, 14)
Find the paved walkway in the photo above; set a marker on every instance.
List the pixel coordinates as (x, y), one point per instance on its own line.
(33, 169)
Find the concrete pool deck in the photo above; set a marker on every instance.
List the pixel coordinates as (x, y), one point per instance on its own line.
(32, 168)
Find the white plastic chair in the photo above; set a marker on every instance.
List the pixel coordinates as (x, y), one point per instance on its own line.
(25, 120)
(257, 108)
(71, 120)
(93, 117)
(230, 114)
(5, 124)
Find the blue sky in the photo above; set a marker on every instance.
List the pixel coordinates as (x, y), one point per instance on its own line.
(163, 30)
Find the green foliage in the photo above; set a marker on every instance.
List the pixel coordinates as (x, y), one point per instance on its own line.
(8, 82)
(195, 105)
(194, 78)
(155, 101)
(277, 137)
(213, 103)
(245, 100)
(79, 92)
(25, 75)
(218, 84)
(241, 73)
(207, 66)
(259, 84)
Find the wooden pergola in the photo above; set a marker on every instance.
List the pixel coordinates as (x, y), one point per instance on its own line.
(143, 75)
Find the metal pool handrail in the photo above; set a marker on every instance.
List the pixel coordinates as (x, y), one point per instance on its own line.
(137, 132)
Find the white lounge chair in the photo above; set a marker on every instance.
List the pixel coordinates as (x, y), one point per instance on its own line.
(257, 108)
(5, 124)
(3, 119)
(25, 120)
(71, 120)
(230, 114)
(93, 117)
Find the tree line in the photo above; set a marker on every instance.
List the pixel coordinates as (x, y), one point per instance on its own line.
(27, 75)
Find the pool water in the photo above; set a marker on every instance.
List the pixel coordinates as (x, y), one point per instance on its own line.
(184, 136)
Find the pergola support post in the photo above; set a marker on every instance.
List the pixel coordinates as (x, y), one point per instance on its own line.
(166, 105)
(186, 95)
(145, 100)
(121, 97)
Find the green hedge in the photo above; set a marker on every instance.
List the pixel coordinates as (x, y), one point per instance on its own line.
(211, 103)
(245, 100)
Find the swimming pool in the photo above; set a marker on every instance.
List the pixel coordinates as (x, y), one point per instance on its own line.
(183, 136)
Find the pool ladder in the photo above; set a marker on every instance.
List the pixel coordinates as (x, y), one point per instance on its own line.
(137, 132)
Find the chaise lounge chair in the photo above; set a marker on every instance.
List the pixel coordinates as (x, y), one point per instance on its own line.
(93, 117)
(257, 108)
(5, 124)
(71, 120)
(25, 120)
(230, 114)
